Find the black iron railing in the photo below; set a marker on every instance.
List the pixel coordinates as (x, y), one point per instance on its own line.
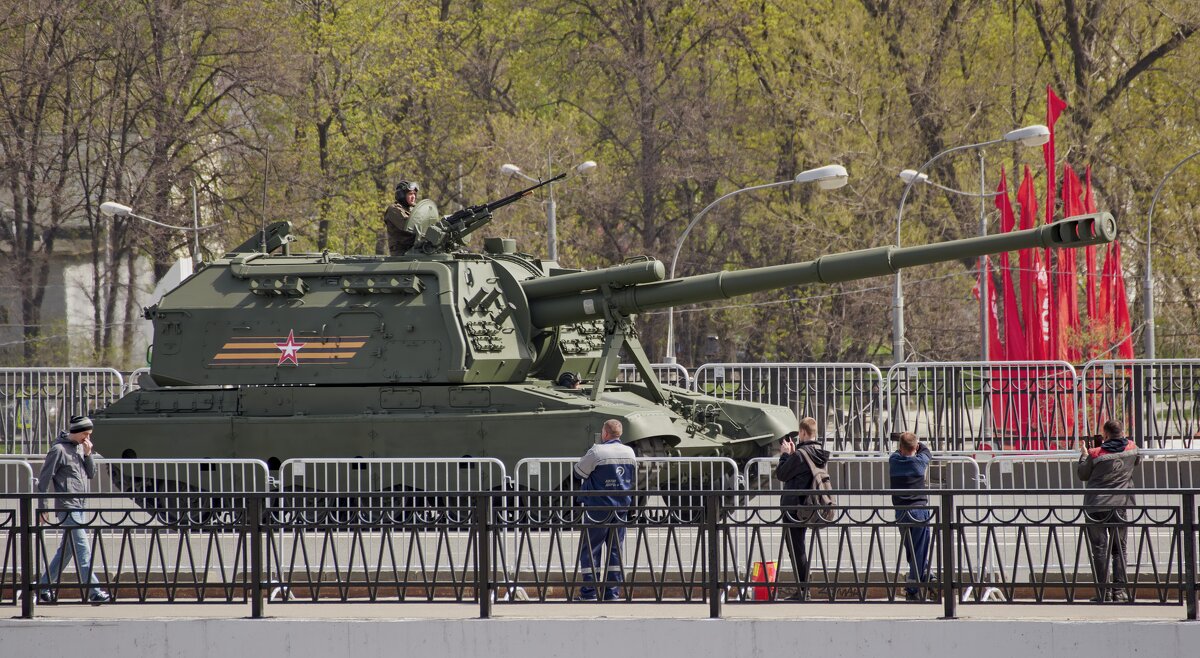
(504, 548)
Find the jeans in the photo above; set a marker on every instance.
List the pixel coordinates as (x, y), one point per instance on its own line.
(595, 542)
(74, 544)
(915, 539)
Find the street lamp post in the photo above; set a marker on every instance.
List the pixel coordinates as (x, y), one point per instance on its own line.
(1149, 283)
(829, 177)
(583, 168)
(1034, 135)
(908, 175)
(120, 210)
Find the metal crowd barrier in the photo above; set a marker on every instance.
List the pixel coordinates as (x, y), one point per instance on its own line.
(35, 403)
(957, 406)
(982, 406)
(337, 505)
(846, 399)
(1158, 400)
(16, 477)
(833, 555)
(668, 373)
(538, 536)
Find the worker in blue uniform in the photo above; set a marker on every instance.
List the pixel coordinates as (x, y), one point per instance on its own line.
(607, 473)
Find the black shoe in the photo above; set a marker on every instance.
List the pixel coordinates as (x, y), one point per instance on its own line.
(47, 596)
(797, 596)
(914, 597)
(1119, 596)
(1101, 598)
(581, 597)
(99, 597)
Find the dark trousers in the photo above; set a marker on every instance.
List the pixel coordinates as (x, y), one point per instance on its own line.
(915, 536)
(596, 542)
(1106, 531)
(798, 550)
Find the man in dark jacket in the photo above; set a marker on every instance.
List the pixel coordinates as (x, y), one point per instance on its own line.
(1108, 466)
(906, 470)
(69, 466)
(794, 472)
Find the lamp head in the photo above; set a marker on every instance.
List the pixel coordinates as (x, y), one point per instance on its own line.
(1034, 135)
(586, 167)
(510, 169)
(829, 177)
(909, 174)
(115, 209)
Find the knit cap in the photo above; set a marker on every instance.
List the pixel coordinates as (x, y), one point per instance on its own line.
(79, 424)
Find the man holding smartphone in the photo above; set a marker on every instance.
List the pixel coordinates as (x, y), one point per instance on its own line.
(1109, 465)
(69, 466)
(796, 474)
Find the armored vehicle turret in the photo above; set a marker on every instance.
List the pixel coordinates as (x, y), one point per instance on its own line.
(444, 352)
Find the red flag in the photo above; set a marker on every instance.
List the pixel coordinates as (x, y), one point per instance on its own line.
(995, 345)
(1120, 307)
(995, 352)
(1066, 291)
(1097, 315)
(1027, 260)
(1054, 107)
(1057, 349)
(1014, 337)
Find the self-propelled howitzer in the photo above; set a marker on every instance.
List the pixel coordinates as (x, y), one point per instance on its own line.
(453, 354)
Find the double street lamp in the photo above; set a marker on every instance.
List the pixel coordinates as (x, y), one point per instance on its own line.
(829, 177)
(583, 168)
(1149, 283)
(1030, 136)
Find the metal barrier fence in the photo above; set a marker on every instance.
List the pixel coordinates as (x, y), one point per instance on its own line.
(957, 406)
(35, 403)
(984, 406)
(361, 494)
(681, 550)
(846, 399)
(868, 475)
(1158, 400)
(664, 475)
(668, 373)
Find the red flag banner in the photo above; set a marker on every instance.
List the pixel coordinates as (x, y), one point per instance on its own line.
(1027, 260)
(1014, 337)
(1054, 107)
(1097, 314)
(1120, 306)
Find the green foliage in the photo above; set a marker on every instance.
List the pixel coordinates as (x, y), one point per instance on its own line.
(312, 110)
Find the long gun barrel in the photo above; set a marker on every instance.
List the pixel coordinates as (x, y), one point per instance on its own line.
(585, 304)
(453, 227)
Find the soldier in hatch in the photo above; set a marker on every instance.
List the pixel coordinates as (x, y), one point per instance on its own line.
(400, 235)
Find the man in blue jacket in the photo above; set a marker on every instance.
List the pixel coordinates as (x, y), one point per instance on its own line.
(608, 469)
(906, 469)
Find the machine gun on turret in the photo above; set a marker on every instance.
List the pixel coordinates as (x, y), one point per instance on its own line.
(448, 232)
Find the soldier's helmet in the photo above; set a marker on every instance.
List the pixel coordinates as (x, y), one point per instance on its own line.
(403, 188)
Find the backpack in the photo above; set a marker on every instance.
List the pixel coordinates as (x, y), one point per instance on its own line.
(822, 508)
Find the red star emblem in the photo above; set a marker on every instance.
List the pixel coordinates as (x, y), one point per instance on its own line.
(288, 350)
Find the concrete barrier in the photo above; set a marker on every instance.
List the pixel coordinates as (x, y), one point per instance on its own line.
(583, 637)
